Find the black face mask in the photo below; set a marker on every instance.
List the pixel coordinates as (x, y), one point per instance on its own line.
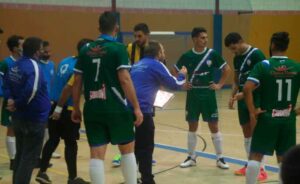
(45, 57)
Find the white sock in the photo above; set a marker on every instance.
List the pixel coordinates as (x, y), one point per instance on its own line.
(11, 146)
(217, 141)
(279, 174)
(46, 135)
(247, 144)
(252, 171)
(192, 142)
(97, 171)
(129, 168)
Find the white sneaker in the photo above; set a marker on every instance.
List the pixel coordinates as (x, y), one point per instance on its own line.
(56, 155)
(222, 164)
(189, 162)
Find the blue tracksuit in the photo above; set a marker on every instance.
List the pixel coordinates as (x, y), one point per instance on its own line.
(25, 84)
(148, 75)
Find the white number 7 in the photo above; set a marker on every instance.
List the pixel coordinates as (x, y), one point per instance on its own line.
(98, 62)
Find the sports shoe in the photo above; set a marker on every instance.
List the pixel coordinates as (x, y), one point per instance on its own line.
(117, 160)
(189, 162)
(43, 178)
(78, 180)
(262, 175)
(222, 164)
(241, 172)
(56, 155)
(153, 162)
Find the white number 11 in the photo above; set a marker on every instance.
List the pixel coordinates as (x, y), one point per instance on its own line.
(289, 89)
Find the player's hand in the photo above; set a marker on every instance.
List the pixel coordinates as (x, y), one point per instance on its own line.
(183, 70)
(11, 105)
(239, 96)
(187, 86)
(138, 117)
(55, 116)
(231, 103)
(214, 86)
(253, 117)
(76, 116)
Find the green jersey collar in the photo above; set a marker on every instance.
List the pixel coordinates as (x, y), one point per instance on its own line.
(199, 53)
(279, 57)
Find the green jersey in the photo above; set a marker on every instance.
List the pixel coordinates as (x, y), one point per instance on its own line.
(243, 64)
(99, 63)
(200, 66)
(279, 80)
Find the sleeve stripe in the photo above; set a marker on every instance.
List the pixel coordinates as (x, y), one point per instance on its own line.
(123, 66)
(167, 70)
(36, 80)
(175, 66)
(223, 65)
(77, 71)
(253, 80)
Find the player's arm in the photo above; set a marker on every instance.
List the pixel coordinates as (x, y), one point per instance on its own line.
(225, 73)
(128, 88)
(235, 89)
(65, 94)
(76, 93)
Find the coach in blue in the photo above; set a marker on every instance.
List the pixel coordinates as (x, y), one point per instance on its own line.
(148, 75)
(26, 91)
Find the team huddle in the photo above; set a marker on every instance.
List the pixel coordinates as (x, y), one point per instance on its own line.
(119, 86)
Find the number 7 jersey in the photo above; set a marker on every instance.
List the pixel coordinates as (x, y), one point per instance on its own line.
(99, 63)
(279, 80)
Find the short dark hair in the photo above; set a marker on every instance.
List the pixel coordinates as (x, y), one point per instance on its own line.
(197, 30)
(1, 30)
(141, 27)
(107, 22)
(152, 49)
(46, 43)
(31, 45)
(232, 38)
(13, 41)
(280, 40)
(290, 167)
(82, 43)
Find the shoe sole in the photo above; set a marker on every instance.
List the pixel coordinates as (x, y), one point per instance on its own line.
(239, 174)
(225, 168)
(187, 166)
(42, 181)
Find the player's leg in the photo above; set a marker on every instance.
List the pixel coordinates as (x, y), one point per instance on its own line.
(98, 138)
(120, 127)
(192, 117)
(253, 167)
(144, 147)
(55, 131)
(210, 114)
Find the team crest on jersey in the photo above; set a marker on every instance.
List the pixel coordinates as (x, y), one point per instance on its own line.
(248, 62)
(96, 51)
(282, 68)
(209, 63)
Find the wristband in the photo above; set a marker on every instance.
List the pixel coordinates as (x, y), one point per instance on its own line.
(58, 109)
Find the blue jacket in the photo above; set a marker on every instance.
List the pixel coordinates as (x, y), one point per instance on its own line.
(148, 75)
(25, 84)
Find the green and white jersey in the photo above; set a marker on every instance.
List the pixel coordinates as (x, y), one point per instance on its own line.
(99, 62)
(279, 80)
(200, 66)
(243, 64)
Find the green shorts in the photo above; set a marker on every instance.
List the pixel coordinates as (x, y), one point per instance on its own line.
(115, 128)
(270, 135)
(201, 102)
(5, 115)
(243, 112)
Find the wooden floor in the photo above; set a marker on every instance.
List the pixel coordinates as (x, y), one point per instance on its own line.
(170, 150)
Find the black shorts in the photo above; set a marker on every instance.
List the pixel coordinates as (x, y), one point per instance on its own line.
(64, 128)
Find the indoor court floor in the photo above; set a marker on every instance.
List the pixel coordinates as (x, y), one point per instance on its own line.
(169, 152)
